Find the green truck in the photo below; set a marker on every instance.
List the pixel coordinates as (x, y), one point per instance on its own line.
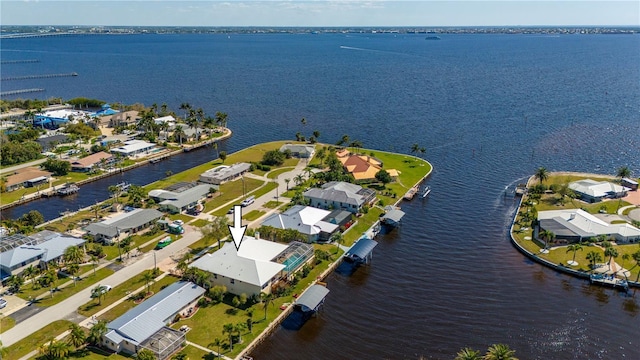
(163, 243)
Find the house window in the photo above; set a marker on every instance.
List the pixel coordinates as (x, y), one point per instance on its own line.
(233, 281)
(215, 276)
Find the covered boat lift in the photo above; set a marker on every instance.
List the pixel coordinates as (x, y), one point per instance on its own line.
(361, 252)
(312, 299)
(392, 217)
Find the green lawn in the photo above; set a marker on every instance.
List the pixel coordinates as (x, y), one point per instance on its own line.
(6, 323)
(232, 191)
(127, 305)
(273, 174)
(363, 224)
(153, 245)
(122, 290)
(88, 279)
(273, 204)
(253, 214)
(200, 223)
(28, 344)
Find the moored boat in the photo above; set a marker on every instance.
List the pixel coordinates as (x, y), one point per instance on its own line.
(426, 191)
(609, 280)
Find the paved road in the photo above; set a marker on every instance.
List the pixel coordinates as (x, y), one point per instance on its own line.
(70, 305)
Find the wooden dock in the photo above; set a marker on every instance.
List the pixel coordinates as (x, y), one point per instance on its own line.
(38, 76)
(21, 91)
(411, 193)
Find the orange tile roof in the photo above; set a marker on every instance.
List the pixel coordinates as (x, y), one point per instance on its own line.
(91, 160)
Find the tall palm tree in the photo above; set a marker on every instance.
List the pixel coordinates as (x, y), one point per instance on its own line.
(221, 119)
(287, 182)
(186, 107)
(145, 354)
(73, 270)
(316, 134)
(178, 132)
(94, 260)
(611, 252)
(77, 337)
(115, 192)
(547, 235)
(468, 354)
(299, 179)
(623, 172)
(229, 329)
(636, 257)
(217, 343)
(594, 258)
(574, 248)
(148, 279)
(500, 352)
(48, 279)
(415, 148)
(98, 292)
(30, 273)
(267, 299)
(625, 257)
(541, 174)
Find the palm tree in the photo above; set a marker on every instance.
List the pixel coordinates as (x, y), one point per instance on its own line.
(287, 182)
(321, 154)
(94, 260)
(547, 235)
(178, 132)
(594, 258)
(611, 252)
(229, 329)
(73, 270)
(238, 329)
(48, 279)
(625, 257)
(115, 192)
(217, 343)
(96, 332)
(98, 292)
(541, 174)
(73, 254)
(59, 349)
(148, 279)
(186, 107)
(338, 239)
(299, 179)
(250, 319)
(574, 248)
(344, 140)
(30, 273)
(500, 352)
(636, 257)
(77, 337)
(316, 134)
(267, 299)
(415, 148)
(221, 119)
(624, 172)
(468, 354)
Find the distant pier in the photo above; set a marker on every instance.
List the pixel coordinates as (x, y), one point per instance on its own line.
(21, 91)
(23, 61)
(40, 76)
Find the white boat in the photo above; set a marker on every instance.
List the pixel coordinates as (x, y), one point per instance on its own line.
(426, 191)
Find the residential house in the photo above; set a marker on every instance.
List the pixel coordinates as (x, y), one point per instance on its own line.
(363, 167)
(27, 177)
(256, 266)
(177, 202)
(145, 326)
(299, 150)
(122, 119)
(575, 225)
(307, 220)
(595, 191)
(92, 161)
(631, 184)
(340, 195)
(223, 173)
(134, 147)
(40, 249)
(115, 228)
(49, 142)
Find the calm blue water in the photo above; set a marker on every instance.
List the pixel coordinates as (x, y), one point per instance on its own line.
(490, 109)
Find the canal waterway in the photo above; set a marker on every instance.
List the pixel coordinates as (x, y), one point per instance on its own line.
(489, 109)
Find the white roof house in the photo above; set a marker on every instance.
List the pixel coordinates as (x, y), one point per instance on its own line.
(305, 219)
(134, 147)
(249, 270)
(224, 173)
(165, 119)
(340, 195)
(299, 150)
(580, 225)
(177, 202)
(594, 191)
(130, 331)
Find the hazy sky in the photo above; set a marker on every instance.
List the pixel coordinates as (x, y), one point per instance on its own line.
(319, 13)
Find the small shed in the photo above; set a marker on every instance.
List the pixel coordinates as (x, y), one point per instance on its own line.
(631, 184)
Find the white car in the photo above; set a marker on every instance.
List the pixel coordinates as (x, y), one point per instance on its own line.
(3, 303)
(179, 222)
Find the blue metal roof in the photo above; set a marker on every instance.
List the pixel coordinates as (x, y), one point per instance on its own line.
(312, 298)
(362, 248)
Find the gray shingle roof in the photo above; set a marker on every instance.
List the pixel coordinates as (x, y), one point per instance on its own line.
(145, 319)
(312, 297)
(124, 222)
(188, 196)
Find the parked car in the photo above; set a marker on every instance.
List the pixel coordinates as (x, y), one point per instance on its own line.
(248, 201)
(104, 289)
(3, 303)
(179, 222)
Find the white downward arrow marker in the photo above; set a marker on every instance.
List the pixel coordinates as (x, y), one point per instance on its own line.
(237, 230)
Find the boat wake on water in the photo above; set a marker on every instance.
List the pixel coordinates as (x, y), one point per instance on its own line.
(376, 51)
